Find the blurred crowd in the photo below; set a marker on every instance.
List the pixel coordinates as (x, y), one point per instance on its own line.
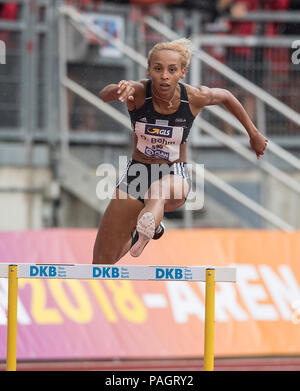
(214, 9)
(236, 8)
(263, 66)
(269, 68)
(8, 11)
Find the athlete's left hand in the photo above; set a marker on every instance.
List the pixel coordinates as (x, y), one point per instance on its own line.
(258, 143)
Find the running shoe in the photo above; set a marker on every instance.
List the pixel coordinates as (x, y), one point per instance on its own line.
(143, 233)
(159, 231)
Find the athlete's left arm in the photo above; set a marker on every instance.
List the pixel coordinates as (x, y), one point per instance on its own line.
(214, 96)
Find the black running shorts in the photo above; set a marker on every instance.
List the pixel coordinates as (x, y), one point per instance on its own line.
(138, 176)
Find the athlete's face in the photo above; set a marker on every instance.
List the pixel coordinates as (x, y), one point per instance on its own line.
(165, 70)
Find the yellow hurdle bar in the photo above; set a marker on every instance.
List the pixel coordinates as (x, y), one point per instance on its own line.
(209, 320)
(11, 360)
(210, 275)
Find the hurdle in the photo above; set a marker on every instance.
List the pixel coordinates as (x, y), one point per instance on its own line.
(208, 274)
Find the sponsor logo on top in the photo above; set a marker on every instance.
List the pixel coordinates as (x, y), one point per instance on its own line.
(110, 272)
(157, 153)
(172, 273)
(47, 271)
(156, 130)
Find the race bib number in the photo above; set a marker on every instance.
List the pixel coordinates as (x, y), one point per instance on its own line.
(158, 140)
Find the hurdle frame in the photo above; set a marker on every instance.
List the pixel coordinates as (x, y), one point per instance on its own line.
(208, 274)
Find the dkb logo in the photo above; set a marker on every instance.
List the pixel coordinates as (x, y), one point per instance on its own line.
(2, 52)
(43, 271)
(168, 273)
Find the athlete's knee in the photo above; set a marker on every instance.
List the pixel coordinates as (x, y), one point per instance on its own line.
(174, 204)
(155, 202)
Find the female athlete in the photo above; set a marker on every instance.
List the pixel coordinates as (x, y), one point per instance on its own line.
(162, 110)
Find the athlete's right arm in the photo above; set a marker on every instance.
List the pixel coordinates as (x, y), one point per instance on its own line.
(123, 91)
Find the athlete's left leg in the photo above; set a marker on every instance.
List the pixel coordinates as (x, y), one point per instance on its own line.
(165, 195)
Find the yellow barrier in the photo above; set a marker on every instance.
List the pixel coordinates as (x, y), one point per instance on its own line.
(11, 362)
(209, 320)
(209, 279)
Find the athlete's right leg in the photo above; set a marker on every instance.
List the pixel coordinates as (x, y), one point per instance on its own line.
(117, 224)
(165, 195)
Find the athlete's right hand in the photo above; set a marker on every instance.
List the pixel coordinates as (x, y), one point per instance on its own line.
(125, 91)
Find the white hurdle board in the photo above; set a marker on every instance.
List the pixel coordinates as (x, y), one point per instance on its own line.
(118, 272)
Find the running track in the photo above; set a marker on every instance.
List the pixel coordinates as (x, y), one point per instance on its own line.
(221, 364)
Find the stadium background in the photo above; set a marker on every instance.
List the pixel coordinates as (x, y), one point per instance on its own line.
(54, 136)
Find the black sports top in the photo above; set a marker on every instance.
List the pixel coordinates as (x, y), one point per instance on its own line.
(160, 135)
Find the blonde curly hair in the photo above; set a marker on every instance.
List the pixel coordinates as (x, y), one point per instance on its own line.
(183, 46)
